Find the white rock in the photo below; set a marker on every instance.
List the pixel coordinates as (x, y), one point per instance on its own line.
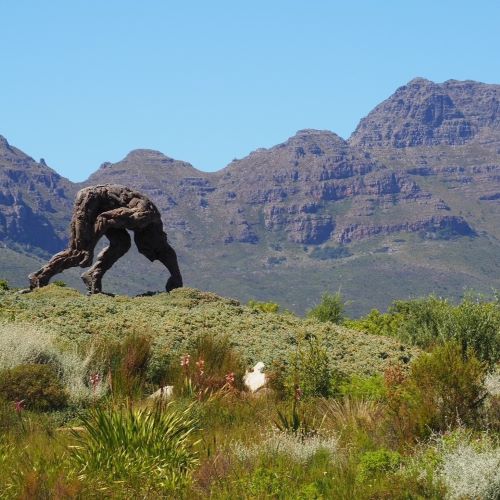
(165, 392)
(255, 378)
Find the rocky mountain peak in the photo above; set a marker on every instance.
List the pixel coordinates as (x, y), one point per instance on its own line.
(314, 140)
(3, 142)
(424, 113)
(146, 154)
(419, 82)
(10, 152)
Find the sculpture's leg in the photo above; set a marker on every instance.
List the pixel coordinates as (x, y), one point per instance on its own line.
(59, 262)
(119, 244)
(168, 258)
(152, 242)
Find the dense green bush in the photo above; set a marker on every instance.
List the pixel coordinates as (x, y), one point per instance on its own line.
(448, 389)
(172, 320)
(377, 323)
(443, 389)
(27, 344)
(268, 307)
(309, 369)
(373, 463)
(36, 385)
(330, 309)
(473, 324)
(4, 285)
(360, 387)
(429, 321)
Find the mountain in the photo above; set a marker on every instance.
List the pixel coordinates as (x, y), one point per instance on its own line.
(34, 201)
(407, 205)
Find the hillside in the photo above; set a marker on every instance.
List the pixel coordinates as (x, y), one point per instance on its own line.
(408, 205)
(176, 319)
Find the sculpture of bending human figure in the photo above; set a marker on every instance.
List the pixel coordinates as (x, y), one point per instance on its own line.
(109, 210)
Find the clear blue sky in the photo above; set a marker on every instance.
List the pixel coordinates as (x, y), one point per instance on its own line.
(86, 81)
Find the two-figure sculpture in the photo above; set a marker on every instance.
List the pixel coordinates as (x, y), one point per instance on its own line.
(110, 210)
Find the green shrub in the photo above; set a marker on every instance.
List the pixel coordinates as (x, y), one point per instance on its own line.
(150, 448)
(360, 387)
(26, 344)
(331, 308)
(295, 422)
(309, 369)
(267, 307)
(373, 463)
(474, 324)
(443, 390)
(223, 364)
(218, 354)
(430, 321)
(37, 385)
(172, 320)
(207, 365)
(4, 285)
(59, 283)
(376, 323)
(447, 388)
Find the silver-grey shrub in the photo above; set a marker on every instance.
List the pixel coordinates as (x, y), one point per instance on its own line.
(296, 447)
(22, 343)
(468, 472)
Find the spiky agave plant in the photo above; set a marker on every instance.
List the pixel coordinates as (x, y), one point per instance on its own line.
(143, 447)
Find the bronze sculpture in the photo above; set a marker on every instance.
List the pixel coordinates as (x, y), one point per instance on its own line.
(109, 210)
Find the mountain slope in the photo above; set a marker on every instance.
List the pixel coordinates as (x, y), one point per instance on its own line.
(34, 201)
(408, 205)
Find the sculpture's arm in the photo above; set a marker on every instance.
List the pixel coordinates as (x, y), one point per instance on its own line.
(121, 218)
(117, 218)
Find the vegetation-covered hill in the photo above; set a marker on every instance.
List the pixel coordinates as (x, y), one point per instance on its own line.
(174, 320)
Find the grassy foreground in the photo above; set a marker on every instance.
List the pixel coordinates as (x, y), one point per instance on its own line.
(346, 414)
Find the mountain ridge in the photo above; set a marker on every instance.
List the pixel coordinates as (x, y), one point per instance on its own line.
(418, 178)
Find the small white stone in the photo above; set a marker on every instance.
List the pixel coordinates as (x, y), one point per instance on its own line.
(165, 392)
(255, 378)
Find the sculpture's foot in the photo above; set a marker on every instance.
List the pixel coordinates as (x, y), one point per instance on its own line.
(91, 282)
(173, 283)
(24, 290)
(36, 281)
(148, 294)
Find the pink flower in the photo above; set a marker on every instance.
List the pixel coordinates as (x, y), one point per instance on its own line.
(200, 364)
(19, 405)
(95, 378)
(230, 379)
(298, 393)
(185, 360)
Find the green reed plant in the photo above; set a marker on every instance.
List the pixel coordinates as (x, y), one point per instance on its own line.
(154, 447)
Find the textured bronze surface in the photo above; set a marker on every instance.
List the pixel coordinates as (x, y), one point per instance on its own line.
(109, 210)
